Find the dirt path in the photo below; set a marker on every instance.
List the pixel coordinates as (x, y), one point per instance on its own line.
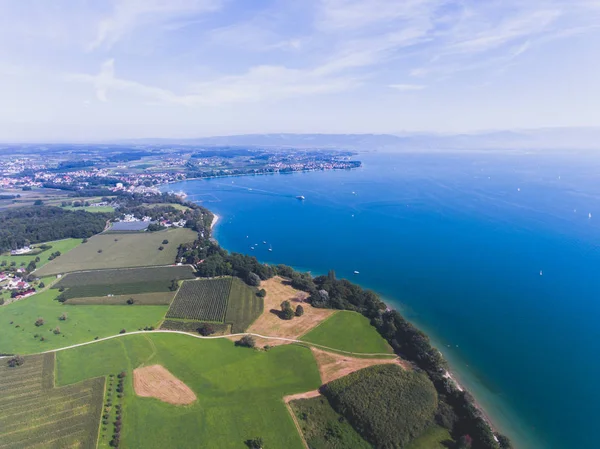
(307, 395)
(296, 423)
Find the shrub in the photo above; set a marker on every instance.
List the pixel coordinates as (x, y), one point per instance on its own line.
(99, 251)
(42, 285)
(261, 293)
(56, 330)
(252, 279)
(299, 310)
(206, 330)
(63, 317)
(130, 301)
(122, 331)
(160, 248)
(165, 242)
(246, 341)
(39, 322)
(254, 443)
(15, 360)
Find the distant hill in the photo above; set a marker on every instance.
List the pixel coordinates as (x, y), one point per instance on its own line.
(535, 139)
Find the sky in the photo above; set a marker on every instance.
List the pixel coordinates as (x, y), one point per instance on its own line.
(76, 70)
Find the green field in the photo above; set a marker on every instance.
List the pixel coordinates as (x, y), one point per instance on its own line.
(434, 438)
(17, 328)
(90, 208)
(202, 300)
(323, 428)
(64, 246)
(239, 390)
(244, 307)
(348, 331)
(117, 250)
(35, 414)
(141, 299)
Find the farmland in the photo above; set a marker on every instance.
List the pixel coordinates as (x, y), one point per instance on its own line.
(202, 300)
(141, 299)
(19, 334)
(239, 391)
(103, 277)
(64, 246)
(121, 251)
(34, 414)
(243, 308)
(221, 300)
(348, 331)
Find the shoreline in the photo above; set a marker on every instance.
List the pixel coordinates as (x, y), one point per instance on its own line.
(450, 373)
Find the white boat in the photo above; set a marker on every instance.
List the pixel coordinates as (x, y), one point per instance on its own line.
(300, 197)
(541, 273)
(356, 272)
(590, 215)
(252, 247)
(264, 242)
(270, 249)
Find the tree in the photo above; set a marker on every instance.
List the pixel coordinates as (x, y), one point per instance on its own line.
(38, 203)
(15, 360)
(56, 330)
(165, 242)
(160, 248)
(465, 442)
(174, 285)
(504, 441)
(122, 331)
(206, 330)
(63, 317)
(255, 443)
(252, 279)
(287, 313)
(261, 293)
(39, 322)
(299, 310)
(130, 301)
(42, 285)
(246, 341)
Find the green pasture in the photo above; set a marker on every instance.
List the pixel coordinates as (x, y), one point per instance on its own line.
(64, 246)
(239, 390)
(348, 331)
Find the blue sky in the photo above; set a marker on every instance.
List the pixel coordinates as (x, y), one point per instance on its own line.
(103, 69)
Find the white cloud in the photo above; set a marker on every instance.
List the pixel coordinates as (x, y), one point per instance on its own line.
(130, 14)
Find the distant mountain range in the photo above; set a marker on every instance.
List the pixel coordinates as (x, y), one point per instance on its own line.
(536, 139)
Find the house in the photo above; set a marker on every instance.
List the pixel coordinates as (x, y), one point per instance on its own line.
(3, 276)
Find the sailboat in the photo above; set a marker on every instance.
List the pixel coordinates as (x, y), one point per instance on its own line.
(270, 247)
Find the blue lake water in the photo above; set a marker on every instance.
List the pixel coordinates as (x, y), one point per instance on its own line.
(494, 255)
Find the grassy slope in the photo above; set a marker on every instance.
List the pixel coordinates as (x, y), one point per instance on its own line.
(243, 306)
(348, 331)
(83, 323)
(64, 246)
(323, 428)
(239, 390)
(433, 438)
(129, 250)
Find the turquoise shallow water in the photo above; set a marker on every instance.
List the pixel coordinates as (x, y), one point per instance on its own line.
(494, 256)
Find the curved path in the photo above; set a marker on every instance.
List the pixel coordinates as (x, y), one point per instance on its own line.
(288, 340)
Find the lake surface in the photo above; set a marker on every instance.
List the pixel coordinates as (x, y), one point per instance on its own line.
(495, 256)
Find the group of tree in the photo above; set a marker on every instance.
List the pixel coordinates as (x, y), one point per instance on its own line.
(27, 225)
(287, 312)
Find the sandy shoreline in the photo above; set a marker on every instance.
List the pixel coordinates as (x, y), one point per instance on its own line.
(214, 221)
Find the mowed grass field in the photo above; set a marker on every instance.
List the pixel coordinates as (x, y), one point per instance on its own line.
(97, 209)
(64, 246)
(348, 331)
(221, 300)
(18, 330)
(117, 250)
(244, 307)
(239, 390)
(35, 414)
(435, 437)
(141, 299)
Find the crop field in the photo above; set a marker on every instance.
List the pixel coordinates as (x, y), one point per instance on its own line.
(115, 250)
(92, 291)
(192, 326)
(19, 334)
(243, 307)
(133, 275)
(239, 390)
(348, 331)
(64, 246)
(141, 299)
(35, 414)
(202, 300)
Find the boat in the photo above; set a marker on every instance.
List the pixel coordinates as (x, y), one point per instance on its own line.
(270, 249)
(541, 273)
(252, 247)
(264, 242)
(590, 215)
(300, 197)
(356, 272)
